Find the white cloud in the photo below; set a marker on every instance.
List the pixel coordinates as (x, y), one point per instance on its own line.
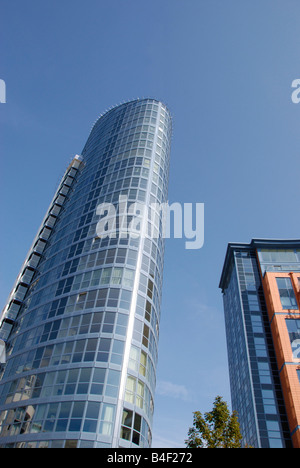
(172, 390)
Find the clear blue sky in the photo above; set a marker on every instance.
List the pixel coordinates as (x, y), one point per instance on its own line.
(225, 70)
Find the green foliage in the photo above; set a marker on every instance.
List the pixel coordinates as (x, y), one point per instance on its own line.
(216, 429)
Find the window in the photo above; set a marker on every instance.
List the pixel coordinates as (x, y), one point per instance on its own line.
(140, 394)
(107, 417)
(117, 276)
(143, 363)
(130, 389)
(21, 292)
(293, 327)
(287, 294)
(113, 379)
(134, 428)
(126, 424)
(71, 444)
(90, 423)
(278, 256)
(113, 297)
(106, 274)
(104, 349)
(80, 301)
(128, 278)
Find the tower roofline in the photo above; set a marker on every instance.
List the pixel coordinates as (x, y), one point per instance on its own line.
(254, 244)
(124, 103)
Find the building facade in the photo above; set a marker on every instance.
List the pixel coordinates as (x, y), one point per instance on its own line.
(261, 293)
(81, 324)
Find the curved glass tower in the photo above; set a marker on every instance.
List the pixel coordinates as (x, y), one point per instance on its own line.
(81, 324)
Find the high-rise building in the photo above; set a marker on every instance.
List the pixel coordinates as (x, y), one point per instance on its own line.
(261, 293)
(81, 324)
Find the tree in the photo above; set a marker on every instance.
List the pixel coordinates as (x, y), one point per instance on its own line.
(217, 429)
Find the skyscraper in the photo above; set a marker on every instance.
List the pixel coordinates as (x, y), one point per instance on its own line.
(261, 292)
(81, 324)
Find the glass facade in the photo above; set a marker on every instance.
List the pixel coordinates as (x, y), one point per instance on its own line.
(279, 259)
(82, 322)
(256, 386)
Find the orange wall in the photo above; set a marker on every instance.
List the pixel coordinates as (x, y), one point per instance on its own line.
(287, 365)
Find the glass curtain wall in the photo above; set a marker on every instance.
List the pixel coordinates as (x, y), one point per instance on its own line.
(82, 348)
